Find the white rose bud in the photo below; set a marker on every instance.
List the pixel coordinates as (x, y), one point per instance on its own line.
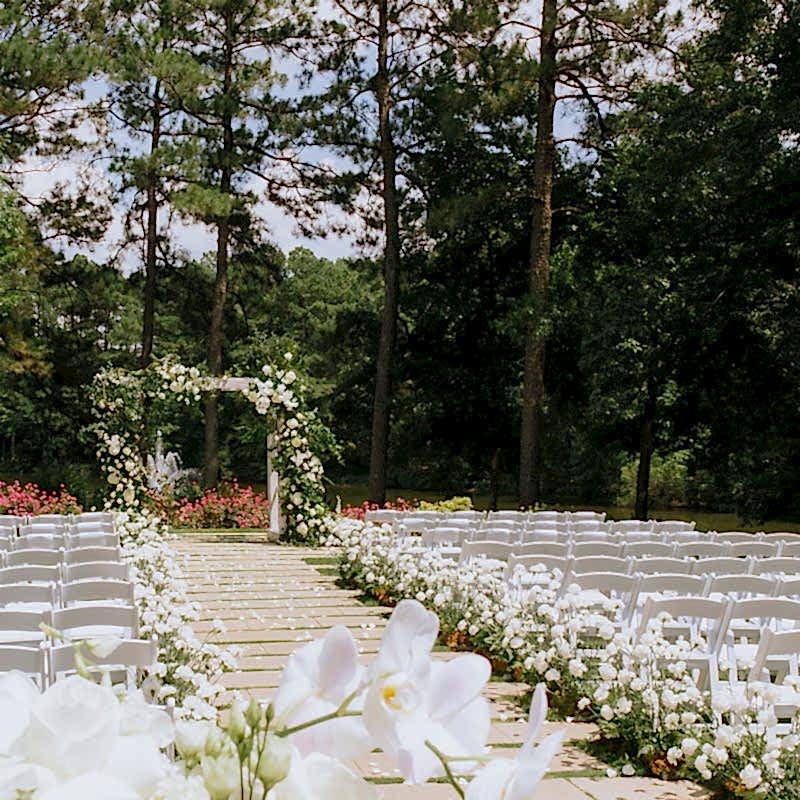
(275, 761)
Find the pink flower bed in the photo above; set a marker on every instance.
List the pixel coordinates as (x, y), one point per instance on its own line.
(228, 506)
(358, 512)
(19, 499)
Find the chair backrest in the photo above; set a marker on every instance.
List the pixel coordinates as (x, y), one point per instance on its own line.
(685, 536)
(772, 644)
(92, 540)
(49, 519)
(642, 549)
(48, 528)
(547, 516)
(560, 549)
(411, 524)
(736, 537)
(673, 526)
(96, 590)
(656, 565)
(786, 587)
(71, 620)
(11, 520)
(509, 536)
(78, 555)
(726, 565)
(701, 549)
(595, 536)
(547, 525)
(766, 608)
(93, 527)
(96, 570)
(382, 515)
(631, 526)
(512, 516)
(673, 584)
(93, 516)
(21, 627)
(776, 566)
(739, 586)
(543, 535)
(583, 549)
(546, 563)
(782, 536)
(40, 541)
(34, 556)
(457, 522)
(600, 564)
(639, 536)
(608, 583)
(30, 574)
(485, 549)
(130, 654)
(698, 609)
(581, 517)
(443, 536)
(587, 526)
(789, 549)
(20, 594)
(30, 660)
(755, 548)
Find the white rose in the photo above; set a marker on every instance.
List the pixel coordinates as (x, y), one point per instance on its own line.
(17, 695)
(191, 737)
(73, 727)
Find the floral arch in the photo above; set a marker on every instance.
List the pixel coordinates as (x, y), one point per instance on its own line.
(124, 403)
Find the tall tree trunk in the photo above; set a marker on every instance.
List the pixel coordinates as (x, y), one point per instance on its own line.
(391, 269)
(211, 470)
(646, 446)
(539, 264)
(151, 235)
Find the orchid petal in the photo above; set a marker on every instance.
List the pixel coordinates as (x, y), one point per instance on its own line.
(407, 640)
(456, 683)
(490, 782)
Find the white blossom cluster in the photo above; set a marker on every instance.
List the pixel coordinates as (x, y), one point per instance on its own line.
(187, 669)
(642, 691)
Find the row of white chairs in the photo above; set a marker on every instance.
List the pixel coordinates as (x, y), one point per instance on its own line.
(418, 525)
(389, 515)
(40, 556)
(107, 517)
(587, 545)
(58, 541)
(48, 591)
(47, 663)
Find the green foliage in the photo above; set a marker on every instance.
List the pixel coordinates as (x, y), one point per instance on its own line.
(453, 504)
(669, 480)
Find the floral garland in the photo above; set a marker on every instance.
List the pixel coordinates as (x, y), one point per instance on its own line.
(120, 401)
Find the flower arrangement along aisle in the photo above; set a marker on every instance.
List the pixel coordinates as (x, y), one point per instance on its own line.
(79, 740)
(652, 715)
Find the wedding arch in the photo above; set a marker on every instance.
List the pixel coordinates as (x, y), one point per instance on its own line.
(126, 404)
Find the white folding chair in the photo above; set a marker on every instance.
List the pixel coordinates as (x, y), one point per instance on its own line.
(92, 540)
(410, 524)
(584, 549)
(93, 516)
(725, 565)
(30, 574)
(634, 536)
(739, 587)
(517, 517)
(701, 550)
(89, 622)
(495, 551)
(786, 587)
(96, 591)
(755, 549)
(506, 535)
(789, 549)
(644, 549)
(782, 536)
(776, 566)
(78, 555)
(547, 516)
(30, 660)
(622, 566)
(775, 661)
(43, 529)
(596, 536)
(31, 596)
(670, 526)
(49, 519)
(665, 585)
(631, 526)
(537, 564)
(737, 537)
(21, 628)
(600, 588)
(581, 517)
(96, 570)
(559, 549)
(40, 541)
(381, 515)
(128, 660)
(34, 556)
(588, 526)
(659, 565)
(543, 535)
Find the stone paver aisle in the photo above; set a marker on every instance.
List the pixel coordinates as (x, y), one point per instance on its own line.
(274, 598)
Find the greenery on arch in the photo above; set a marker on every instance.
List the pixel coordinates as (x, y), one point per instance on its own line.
(127, 407)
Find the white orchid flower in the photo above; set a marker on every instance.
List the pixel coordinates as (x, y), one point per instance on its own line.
(317, 680)
(320, 776)
(413, 703)
(517, 778)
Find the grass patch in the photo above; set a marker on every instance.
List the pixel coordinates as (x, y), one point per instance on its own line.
(325, 560)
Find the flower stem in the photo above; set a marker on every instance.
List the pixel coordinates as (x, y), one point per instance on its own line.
(445, 764)
(338, 714)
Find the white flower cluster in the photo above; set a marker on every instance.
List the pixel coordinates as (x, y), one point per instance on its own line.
(78, 739)
(642, 691)
(187, 668)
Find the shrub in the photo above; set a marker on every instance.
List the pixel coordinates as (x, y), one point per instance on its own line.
(227, 506)
(669, 480)
(453, 504)
(358, 512)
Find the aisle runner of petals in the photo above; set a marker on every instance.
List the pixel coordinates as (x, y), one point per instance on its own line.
(640, 692)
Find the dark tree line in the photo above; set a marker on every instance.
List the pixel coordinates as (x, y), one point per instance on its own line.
(543, 306)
